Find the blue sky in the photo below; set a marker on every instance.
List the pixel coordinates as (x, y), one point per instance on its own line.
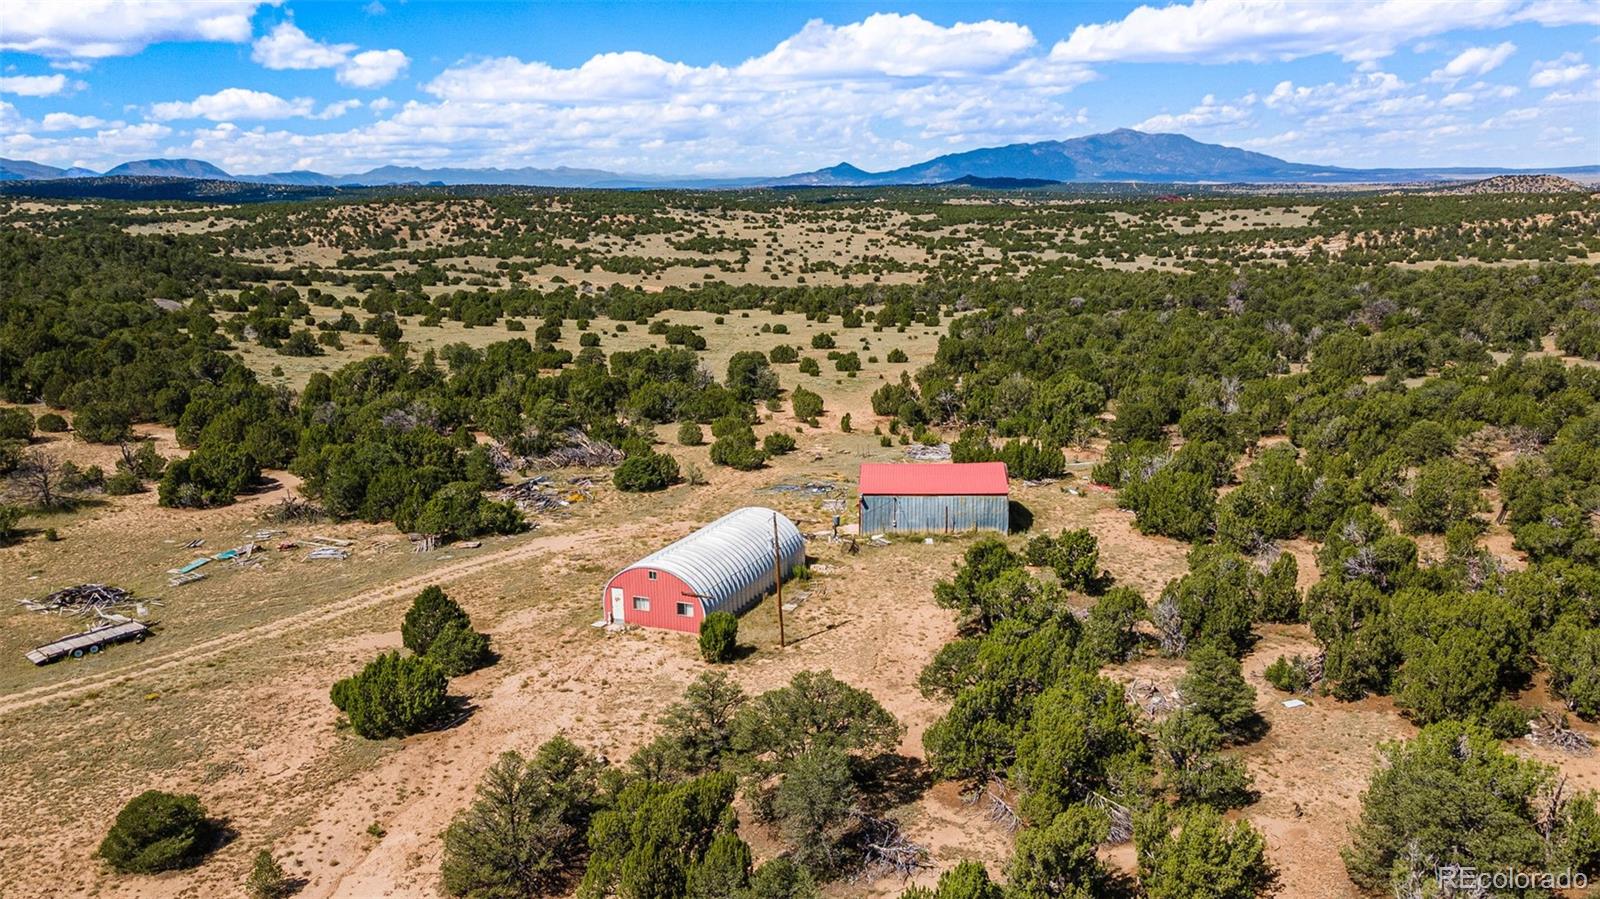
(721, 88)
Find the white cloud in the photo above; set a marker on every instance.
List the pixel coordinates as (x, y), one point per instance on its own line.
(380, 104)
(234, 103)
(287, 47)
(898, 46)
(337, 109)
(1263, 30)
(1474, 61)
(1457, 99)
(1209, 113)
(373, 68)
(33, 85)
(66, 121)
(99, 28)
(1564, 69)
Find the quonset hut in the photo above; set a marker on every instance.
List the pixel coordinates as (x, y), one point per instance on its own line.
(725, 566)
(935, 498)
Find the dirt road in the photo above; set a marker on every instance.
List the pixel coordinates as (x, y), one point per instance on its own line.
(311, 617)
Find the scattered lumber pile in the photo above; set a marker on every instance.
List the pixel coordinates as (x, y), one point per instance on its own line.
(1152, 698)
(544, 495)
(336, 553)
(85, 600)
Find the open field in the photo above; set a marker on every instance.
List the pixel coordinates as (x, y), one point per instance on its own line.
(229, 699)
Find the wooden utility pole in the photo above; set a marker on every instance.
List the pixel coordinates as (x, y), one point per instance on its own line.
(777, 577)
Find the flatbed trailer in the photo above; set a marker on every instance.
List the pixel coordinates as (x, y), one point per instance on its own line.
(89, 642)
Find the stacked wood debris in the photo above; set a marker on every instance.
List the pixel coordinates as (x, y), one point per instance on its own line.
(579, 451)
(1552, 730)
(886, 851)
(336, 553)
(294, 511)
(1152, 698)
(85, 600)
(921, 453)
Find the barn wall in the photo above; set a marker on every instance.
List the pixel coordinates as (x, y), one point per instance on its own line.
(934, 514)
(664, 593)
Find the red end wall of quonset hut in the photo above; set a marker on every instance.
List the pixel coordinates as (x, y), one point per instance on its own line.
(664, 592)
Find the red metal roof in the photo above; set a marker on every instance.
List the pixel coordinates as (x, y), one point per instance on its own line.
(934, 479)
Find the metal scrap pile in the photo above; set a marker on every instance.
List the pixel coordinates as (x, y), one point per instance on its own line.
(85, 600)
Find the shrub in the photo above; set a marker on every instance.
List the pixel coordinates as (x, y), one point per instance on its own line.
(17, 424)
(738, 451)
(783, 353)
(51, 423)
(807, 404)
(102, 423)
(645, 473)
(719, 637)
(1215, 687)
(430, 613)
(777, 444)
(10, 517)
(1453, 792)
(809, 366)
(525, 831)
(1205, 855)
(393, 696)
(897, 355)
(158, 831)
(124, 483)
(822, 340)
(847, 362)
(844, 423)
(689, 434)
(1289, 674)
(750, 377)
(267, 879)
(458, 649)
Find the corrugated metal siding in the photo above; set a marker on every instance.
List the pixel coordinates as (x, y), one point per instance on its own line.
(727, 563)
(665, 591)
(934, 514)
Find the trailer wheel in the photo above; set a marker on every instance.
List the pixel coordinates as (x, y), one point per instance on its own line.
(95, 649)
(77, 653)
(139, 639)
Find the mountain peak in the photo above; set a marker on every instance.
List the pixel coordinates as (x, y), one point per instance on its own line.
(170, 168)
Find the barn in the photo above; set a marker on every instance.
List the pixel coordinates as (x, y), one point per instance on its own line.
(726, 566)
(934, 498)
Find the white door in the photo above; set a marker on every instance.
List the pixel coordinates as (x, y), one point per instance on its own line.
(616, 605)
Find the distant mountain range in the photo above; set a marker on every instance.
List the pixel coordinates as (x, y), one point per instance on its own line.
(1117, 156)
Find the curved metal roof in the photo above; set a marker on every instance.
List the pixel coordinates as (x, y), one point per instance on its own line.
(728, 563)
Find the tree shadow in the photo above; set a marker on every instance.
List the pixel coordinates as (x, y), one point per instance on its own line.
(891, 780)
(457, 710)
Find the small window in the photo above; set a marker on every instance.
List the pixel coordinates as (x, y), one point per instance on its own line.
(686, 609)
(652, 575)
(641, 604)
